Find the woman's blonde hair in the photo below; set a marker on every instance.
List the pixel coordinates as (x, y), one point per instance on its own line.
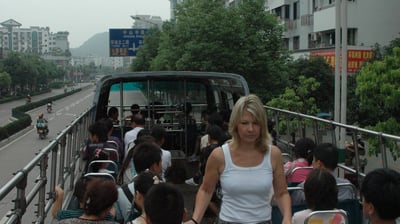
(253, 105)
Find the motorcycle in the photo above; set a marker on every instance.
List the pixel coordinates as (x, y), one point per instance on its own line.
(49, 108)
(41, 130)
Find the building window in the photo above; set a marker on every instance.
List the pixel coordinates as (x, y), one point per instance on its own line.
(296, 43)
(296, 10)
(287, 11)
(352, 36)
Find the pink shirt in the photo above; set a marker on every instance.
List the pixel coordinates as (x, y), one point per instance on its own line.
(298, 176)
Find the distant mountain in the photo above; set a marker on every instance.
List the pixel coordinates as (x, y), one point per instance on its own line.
(97, 45)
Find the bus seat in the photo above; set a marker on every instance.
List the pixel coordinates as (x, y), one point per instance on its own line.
(314, 215)
(299, 170)
(113, 154)
(351, 206)
(100, 175)
(112, 166)
(286, 157)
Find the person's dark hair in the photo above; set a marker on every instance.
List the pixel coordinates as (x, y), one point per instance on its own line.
(304, 148)
(108, 123)
(144, 181)
(135, 108)
(138, 119)
(145, 155)
(328, 154)
(100, 130)
(164, 204)
(99, 154)
(101, 193)
(381, 187)
(158, 132)
(215, 132)
(215, 119)
(320, 190)
(112, 111)
(80, 188)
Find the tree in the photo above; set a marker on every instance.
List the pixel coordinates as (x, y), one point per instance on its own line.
(207, 36)
(315, 67)
(378, 91)
(299, 97)
(147, 52)
(5, 82)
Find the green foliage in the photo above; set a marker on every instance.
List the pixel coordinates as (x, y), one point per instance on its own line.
(147, 52)
(389, 126)
(298, 98)
(207, 36)
(378, 90)
(29, 71)
(5, 80)
(315, 67)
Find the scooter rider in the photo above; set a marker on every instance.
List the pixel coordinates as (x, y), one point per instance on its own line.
(49, 107)
(42, 122)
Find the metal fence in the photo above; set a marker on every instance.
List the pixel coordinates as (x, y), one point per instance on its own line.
(57, 164)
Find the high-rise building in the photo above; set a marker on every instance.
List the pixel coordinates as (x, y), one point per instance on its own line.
(35, 40)
(173, 4)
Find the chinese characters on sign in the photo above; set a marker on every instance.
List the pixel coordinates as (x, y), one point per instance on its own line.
(125, 42)
(354, 58)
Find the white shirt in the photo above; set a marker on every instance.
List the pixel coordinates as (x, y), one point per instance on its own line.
(166, 161)
(131, 136)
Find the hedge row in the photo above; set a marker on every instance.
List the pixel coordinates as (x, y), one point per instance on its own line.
(24, 120)
(21, 96)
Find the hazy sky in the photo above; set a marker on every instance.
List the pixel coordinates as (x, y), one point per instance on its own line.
(81, 18)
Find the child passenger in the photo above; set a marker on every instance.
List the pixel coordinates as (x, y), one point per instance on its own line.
(321, 193)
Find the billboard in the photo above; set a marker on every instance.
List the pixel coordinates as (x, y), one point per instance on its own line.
(125, 42)
(354, 58)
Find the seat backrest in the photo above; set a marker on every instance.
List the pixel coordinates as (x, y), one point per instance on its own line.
(286, 157)
(113, 144)
(299, 172)
(113, 154)
(100, 175)
(112, 166)
(335, 216)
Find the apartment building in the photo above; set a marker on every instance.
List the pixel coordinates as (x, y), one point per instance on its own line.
(36, 40)
(310, 26)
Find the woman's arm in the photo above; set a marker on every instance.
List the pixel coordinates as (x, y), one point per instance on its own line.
(57, 205)
(214, 166)
(280, 188)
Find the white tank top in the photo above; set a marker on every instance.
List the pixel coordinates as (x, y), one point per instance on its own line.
(246, 191)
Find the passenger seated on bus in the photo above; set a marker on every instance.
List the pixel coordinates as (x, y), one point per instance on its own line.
(138, 123)
(113, 115)
(98, 201)
(303, 151)
(143, 182)
(380, 195)
(321, 193)
(326, 157)
(97, 139)
(188, 124)
(147, 155)
(119, 145)
(214, 135)
(135, 109)
(213, 119)
(100, 167)
(79, 193)
(159, 134)
(164, 203)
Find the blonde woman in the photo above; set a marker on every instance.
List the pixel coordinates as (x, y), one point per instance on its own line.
(248, 167)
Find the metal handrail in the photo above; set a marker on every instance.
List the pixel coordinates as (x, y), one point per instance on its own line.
(68, 145)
